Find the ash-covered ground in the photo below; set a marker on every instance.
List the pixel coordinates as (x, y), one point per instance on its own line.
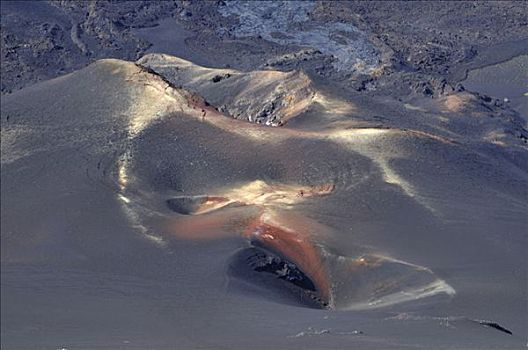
(242, 174)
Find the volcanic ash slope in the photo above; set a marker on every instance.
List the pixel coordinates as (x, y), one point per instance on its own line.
(113, 173)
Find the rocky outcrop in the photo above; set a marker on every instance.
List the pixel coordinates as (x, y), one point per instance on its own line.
(262, 97)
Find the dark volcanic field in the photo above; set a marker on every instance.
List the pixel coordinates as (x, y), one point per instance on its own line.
(274, 175)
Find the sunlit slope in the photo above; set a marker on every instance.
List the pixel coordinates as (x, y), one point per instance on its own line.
(59, 140)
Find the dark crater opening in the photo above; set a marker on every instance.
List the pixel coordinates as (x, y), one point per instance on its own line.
(189, 205)
(186, 205)
(282, 269)
(279, 277)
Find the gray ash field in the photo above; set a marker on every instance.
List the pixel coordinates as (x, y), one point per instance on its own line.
(279, 175)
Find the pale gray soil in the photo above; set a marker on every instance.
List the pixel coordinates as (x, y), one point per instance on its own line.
(507, 80)
(422, 236)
